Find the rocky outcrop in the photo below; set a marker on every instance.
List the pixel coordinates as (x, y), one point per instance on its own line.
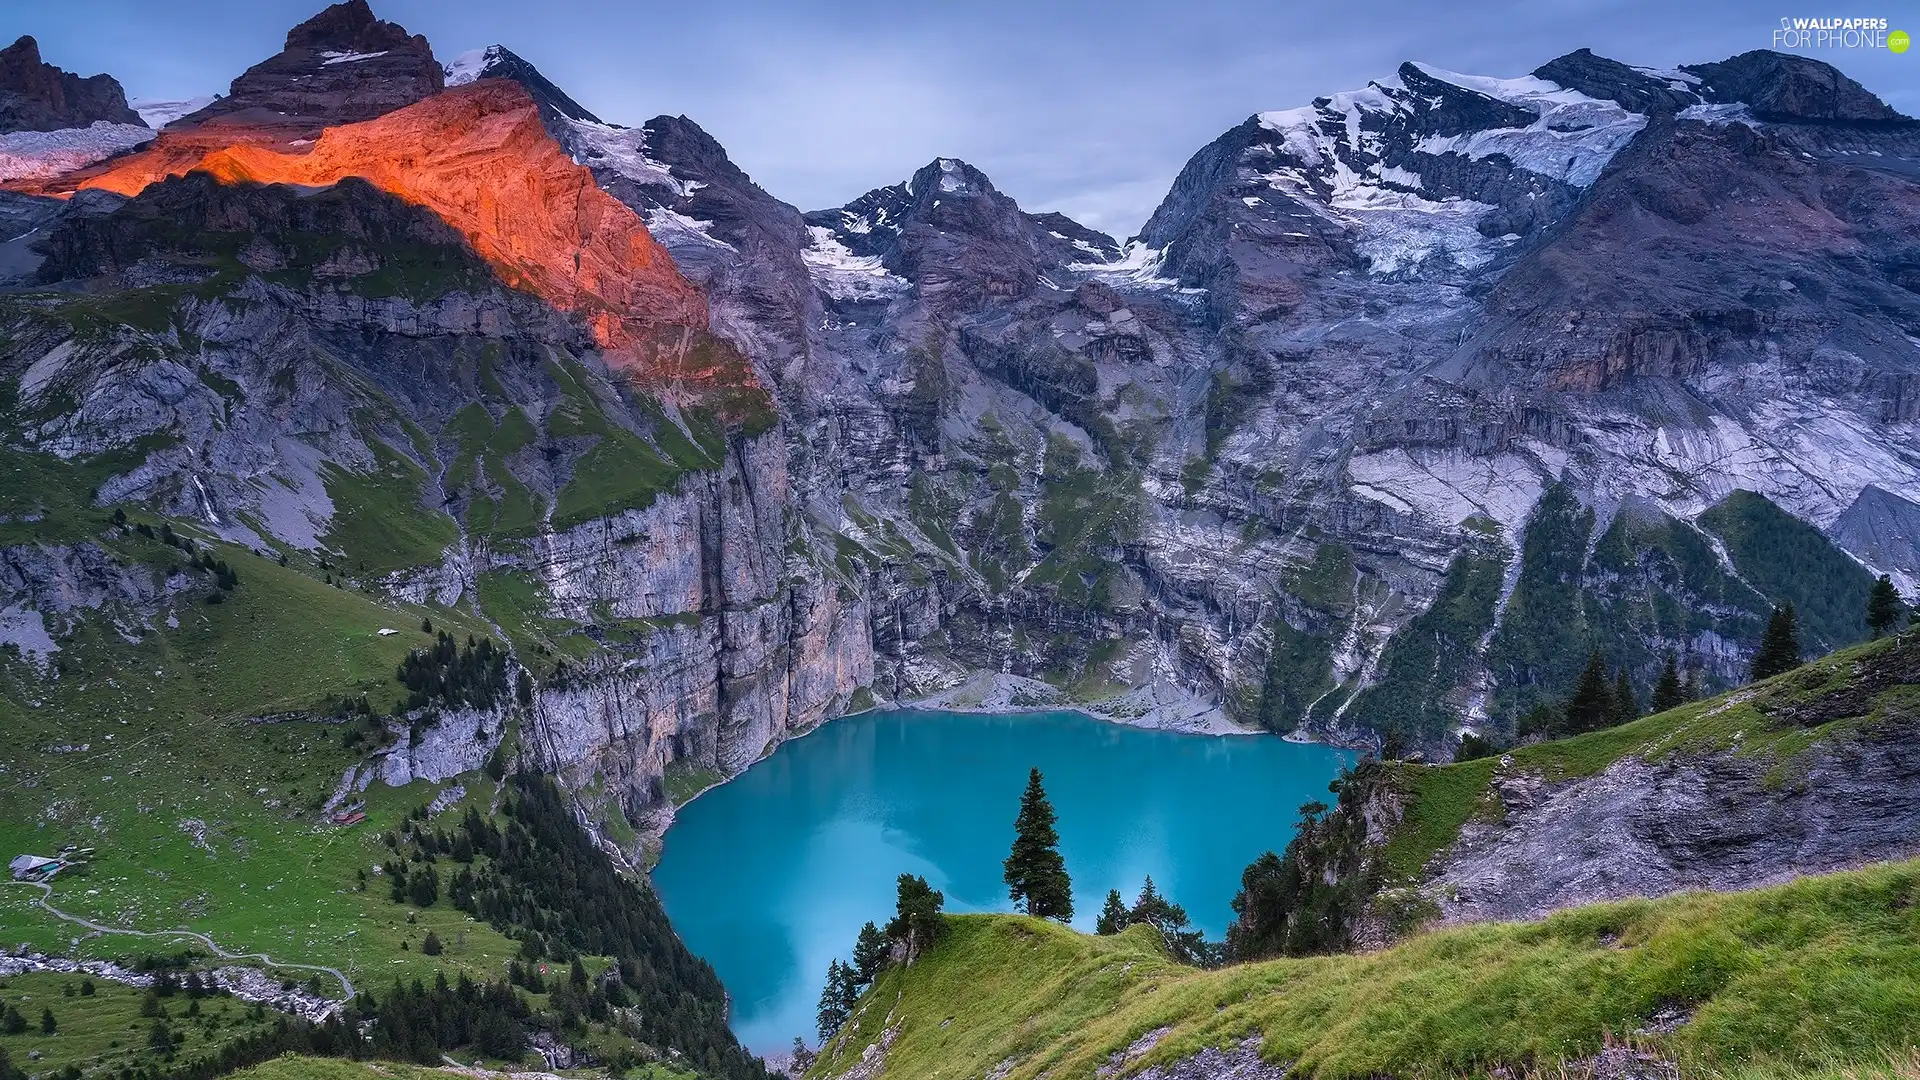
(339, 67)
(745, 647)
(1780, 86)
(478, 157)
(36, 96)
(1880, 527)
(1669, 820)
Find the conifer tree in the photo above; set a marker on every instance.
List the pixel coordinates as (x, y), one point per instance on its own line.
(1591, 706)
(1113, 915)
(832, 1012)
(1036, 876)
(1883, 607)
(916, 914)
(1538, 722)
(1185, 943)
(1626, 706)
(1668, 693)
(48, 1025)
(1780, 648)
(869, 954)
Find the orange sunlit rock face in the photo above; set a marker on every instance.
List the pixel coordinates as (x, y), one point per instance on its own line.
(478, 157)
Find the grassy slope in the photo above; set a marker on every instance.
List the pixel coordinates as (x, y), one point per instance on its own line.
(105, 1030)
(1442, 799)
(1796, 977)
(306, 1068)
(164, 723)
(1814, 978)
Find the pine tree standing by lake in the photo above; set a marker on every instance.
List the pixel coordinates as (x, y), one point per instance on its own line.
(1780, 647)
(916, 914)
(1036, 875)
(1668, 693)
(833, 1008)
(869, 954)
(1883, 607)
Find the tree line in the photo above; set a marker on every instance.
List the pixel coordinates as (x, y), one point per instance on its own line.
(1601, 698)
(538, 878)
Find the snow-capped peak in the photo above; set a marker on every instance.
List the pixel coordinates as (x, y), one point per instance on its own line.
(469, 65)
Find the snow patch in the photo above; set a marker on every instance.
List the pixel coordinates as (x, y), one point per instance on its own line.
(624, 151)
(328, 59)
(1729, 113)
(38, 155)
(841, 274)
(1573, 139)
(667, 226)
(1137, 266)
(159, 112)
(1337, 148)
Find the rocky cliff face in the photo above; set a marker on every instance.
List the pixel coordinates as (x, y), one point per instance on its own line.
(1401, 401)
(1713, 818)
(1332, 382)
(36, 96)
(341, 66)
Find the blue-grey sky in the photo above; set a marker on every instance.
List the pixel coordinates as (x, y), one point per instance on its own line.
(1074, 105)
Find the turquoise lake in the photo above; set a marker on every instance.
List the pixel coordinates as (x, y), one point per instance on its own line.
(770, 875)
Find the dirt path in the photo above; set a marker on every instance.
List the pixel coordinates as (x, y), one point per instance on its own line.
(46, 892)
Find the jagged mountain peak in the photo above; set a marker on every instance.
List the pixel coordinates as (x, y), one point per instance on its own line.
(1781, 87)
(950, 178)
(1431, 173)
(1640, 90)
(950, 195)
(500, 62)
(37, 96)
(343, 65)
(1771, 86)
(351, 26)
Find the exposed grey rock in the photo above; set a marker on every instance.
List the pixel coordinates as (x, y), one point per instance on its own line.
(500, 62)
(1662, 823)
(1781, 86)
(341, 66)
(1882, 530)
(36, 96)
(1240, 1062)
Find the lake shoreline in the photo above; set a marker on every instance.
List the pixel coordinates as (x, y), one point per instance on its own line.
(1157, 706)
(771, 878)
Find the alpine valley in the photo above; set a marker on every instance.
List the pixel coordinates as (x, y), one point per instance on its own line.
(1403, 406)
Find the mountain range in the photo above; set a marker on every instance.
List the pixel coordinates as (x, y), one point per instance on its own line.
(1401, 402)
